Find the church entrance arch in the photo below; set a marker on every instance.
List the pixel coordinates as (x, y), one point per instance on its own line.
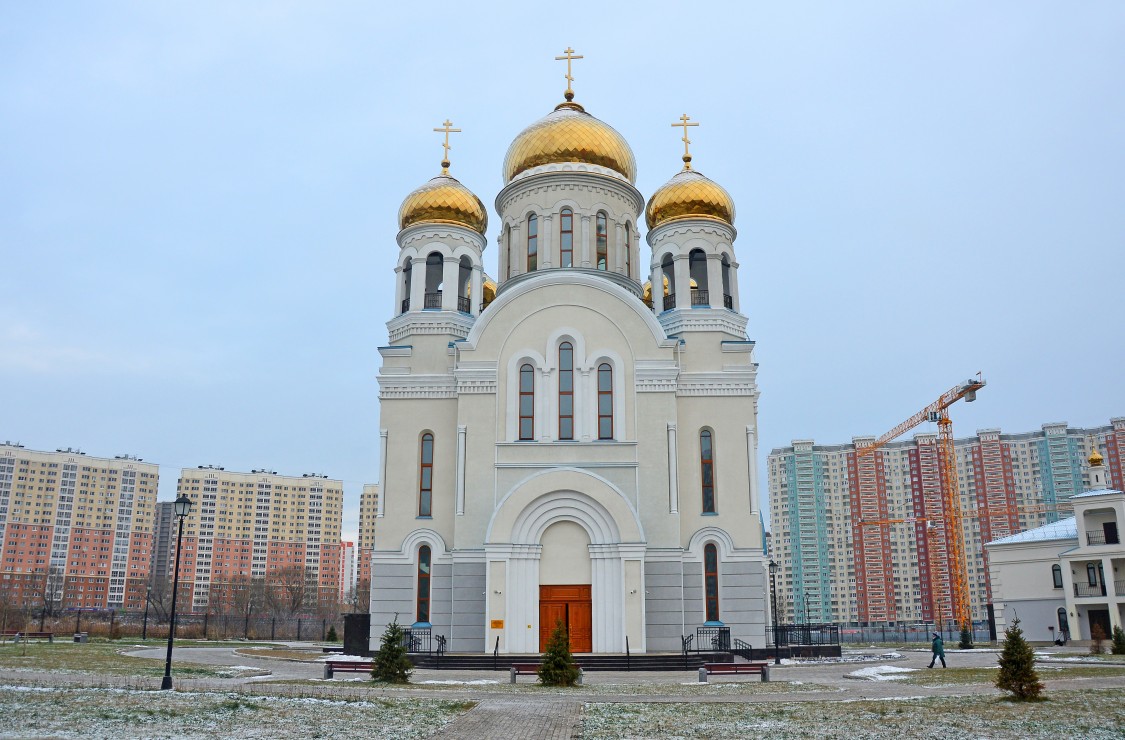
(564, 585)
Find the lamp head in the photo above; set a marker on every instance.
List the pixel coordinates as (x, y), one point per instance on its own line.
(182, 506)
(773, 567)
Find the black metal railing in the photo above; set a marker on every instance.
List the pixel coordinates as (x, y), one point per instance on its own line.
(713, 639)
(496, 653)
(728, 301)
(1085, 589)
(440, 649)
(669, 301)
(803, 634)
(742, 649)
(1098, 537)
(699, 297)
(685, 646)
(1119, 587)
(463, 305)
(416, 639)
(432, 300)
(405, 305)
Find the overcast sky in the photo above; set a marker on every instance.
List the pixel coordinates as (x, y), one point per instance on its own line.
(198, 204)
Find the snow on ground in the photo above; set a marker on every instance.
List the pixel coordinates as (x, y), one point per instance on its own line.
(341, 658)
(881, 673)
(479, 682)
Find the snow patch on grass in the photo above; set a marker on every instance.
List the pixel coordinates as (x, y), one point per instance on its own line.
(881, 673)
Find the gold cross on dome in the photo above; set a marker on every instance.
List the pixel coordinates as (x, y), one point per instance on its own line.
(684, 124)
(570, 57)
(447, 128)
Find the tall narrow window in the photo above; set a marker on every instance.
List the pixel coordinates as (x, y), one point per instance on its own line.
(1056, 575)
(707, 469)
(628, 249)
(602, 241)
(527, 402)
(532, 242)
(566, 237)
(711, 581)
(1091, 574)
(423, 584)
(605, 401)
(566, 391)
(426, 477)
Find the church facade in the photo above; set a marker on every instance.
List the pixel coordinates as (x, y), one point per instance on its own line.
(564, 443)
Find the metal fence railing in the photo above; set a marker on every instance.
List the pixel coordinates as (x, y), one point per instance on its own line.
(909, 634)
(204, 626)
(803, 634)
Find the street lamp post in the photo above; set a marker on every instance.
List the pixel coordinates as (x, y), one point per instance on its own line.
(148, 598)
(773, 603)
(182, 506)
(807, 620)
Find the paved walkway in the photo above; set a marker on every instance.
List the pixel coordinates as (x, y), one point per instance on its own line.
(517, 719)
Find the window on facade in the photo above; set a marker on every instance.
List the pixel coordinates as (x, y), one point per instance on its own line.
(1064, 624)
(707, 469)
(423, 584)
(711, 581)
(1091, 574)
(605, 401)
(426, 476)
(566, 238)
(628, 249)
(532, 242)
(602, 230)
(1056, 575)
(527, 402)
(566, 391)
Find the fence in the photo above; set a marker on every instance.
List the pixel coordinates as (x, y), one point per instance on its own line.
(912, 633)
(207, 626)
(803, 634)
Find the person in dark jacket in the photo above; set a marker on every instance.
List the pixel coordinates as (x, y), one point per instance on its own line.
(938, 647)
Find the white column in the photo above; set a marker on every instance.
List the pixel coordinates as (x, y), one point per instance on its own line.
(673, 472)
(715, 280)
(381, 508)
(449, 274)
(1110, 592)
(545, 243)
(607, 592)
(683, 281)
(657, 287)
(417, 283)
(400, 289)
(476, 292)
(585, 241)
(461, 429)
(582, 391)
(542, 405)
(734, 286)
(752, 463)
(522, 599)
(513, 253)
(619, 251)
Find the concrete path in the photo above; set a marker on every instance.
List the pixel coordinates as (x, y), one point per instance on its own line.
(517, 719)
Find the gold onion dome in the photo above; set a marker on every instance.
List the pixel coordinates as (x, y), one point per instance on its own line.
(689, 195)
(570, 134)
(1096, 457)
(443, 200)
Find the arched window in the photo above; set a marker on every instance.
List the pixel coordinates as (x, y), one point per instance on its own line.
(435, 274)
(406, 273)
(711, 581)
(566, 391)
(668, 266)
(423, 612)
(1056, 575)
(602, 240)
(508, 248)
(628, 249)
(697, 269)
(605, 401)
(532, 242)
(566, 238)
(426, 476)
(1064, 623)
(1091, 574)
(728, 298)
(464, 276)
(527, 402)
(707, 470)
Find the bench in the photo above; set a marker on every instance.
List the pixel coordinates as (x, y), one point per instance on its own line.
(532, 669)
(346, 666)
(734, 668)
(18, 635)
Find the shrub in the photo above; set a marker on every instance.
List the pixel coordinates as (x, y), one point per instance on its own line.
(1118, 647)
(966, 637)
(558, 667)
(1017, 666)
(1097, 640)
(331, 637)
(391, 664)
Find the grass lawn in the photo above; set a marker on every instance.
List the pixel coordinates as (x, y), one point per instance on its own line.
(1090, 714)
(103, 658)
(948, 676)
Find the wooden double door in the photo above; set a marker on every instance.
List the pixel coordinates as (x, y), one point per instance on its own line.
(572, 606)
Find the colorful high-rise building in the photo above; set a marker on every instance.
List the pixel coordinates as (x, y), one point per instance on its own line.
(365, 542)
(75, 530)
(862, 539)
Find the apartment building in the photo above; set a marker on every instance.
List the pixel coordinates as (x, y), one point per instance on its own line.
(261, 529)
(845, 559)
(75, 530)
(365, 543)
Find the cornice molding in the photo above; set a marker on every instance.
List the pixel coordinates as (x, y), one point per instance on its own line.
(441, 232)
(450, 323)
(692, 226)
(679, 320)
(551, 177)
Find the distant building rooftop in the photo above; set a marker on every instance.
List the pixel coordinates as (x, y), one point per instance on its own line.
(1099, 492)
(1064, 529)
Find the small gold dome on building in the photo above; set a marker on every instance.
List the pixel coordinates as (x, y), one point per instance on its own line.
(689, 195)
(569, 134)
(487, 289)
(443, 200)
(1096, 458)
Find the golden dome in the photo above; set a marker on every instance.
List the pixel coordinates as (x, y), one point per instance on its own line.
(569, 134)
(689, 195)
(1096, 458)
(443, 200)
(487, 289)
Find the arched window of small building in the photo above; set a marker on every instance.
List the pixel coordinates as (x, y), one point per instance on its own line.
(668, 266)
(508, 248)
(566, 238)
(406, 272)
(605, 401)
(697, 266)
(527, 402)
(711, 581)
(728, 297)
(566, 391)
(1056, 575)
(532, 243)
(707, 470)
(434, 275)
(1064, 623)
(464, 275)
(1091, 574)
(426, 476)
(602, 232)
(423, 601)
(628, 249)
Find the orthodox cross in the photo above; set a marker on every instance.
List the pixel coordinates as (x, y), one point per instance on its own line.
(570, 56)
(684, 124)
(446, 128)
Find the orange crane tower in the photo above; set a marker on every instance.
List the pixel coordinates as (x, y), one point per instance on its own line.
(950, 498)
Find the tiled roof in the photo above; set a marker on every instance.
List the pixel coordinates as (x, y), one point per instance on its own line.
(1100, 492)
(1064, 529)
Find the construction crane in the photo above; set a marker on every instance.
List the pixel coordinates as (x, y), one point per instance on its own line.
(938, 412)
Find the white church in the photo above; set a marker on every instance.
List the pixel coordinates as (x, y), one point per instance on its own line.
(562, 442)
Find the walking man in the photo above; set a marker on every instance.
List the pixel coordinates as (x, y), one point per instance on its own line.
(938, 648)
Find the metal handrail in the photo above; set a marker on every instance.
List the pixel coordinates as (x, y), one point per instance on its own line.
(1085, 589)
(669, 301)
(700, 297)
(728, 301)
(405, 305)
(463, 305)
(432, 300)
(1098, 537)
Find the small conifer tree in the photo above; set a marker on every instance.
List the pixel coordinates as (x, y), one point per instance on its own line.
(966, 637)
(558, 667)
(1118, 647)
(391, 664)
(1017, 666)
(1097, 640)
(331, 636)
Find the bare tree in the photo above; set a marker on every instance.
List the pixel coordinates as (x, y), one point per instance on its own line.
(290, 590)
(51, 588)
(358, 597)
